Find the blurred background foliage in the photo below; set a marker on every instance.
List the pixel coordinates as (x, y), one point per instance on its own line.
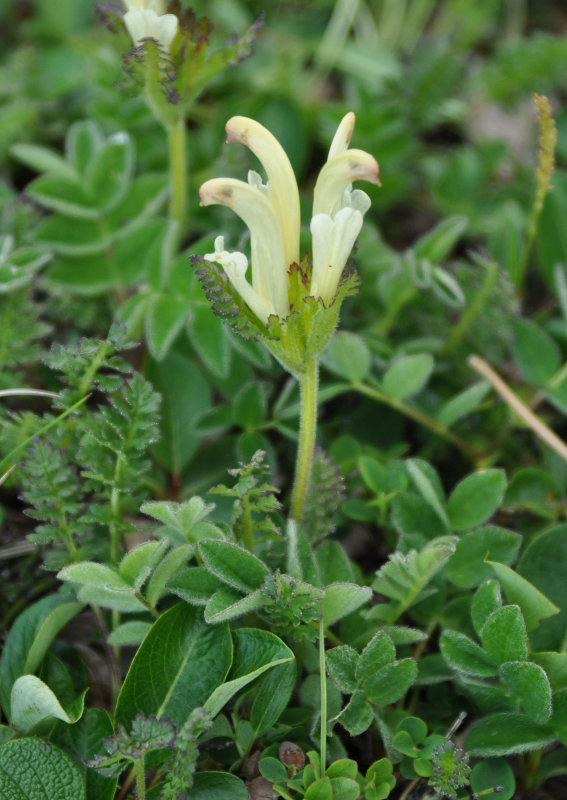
(442, 93)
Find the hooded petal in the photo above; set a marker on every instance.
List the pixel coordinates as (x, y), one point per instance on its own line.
(282, 187)
(269, 269)
(333, 240)
(337, 175)
(342, 137)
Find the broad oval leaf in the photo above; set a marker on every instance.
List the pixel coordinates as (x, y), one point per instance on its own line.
(233, 564)
(504, 635)
(476, 498)
(341, 599)
(408, 375)
(466, 656)
(30, 638)
(179, 663)
(534, 605)
(31, 769)
(32, 702)
(255, 651)
(506, 733)
(348, 357)
(528, 684)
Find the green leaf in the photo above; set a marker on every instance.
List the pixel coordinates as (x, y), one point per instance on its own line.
(487, 599)
(165, 318)
(537, 356)
(139, 562)
(348, 357)
(109, 173)
(32, 702)
(334, 564)
(358, 715)
(427, 483)
(255, 651)
(404, 578)
(437, 244)
(227, 604)
(321, 789)
(169, 566)
(506, 733)
(41, 159)
(250, 405)
(62, 194)
(233, 564)
(185, 397)
(535, 490)
(379, 652)
(529, 684)
(463, 403)
(466, 656)
(29, 639)
(476, 498)
(129, 633)
(31, 769)
(83, 141)
(341, 665)
(272, 696)
(83, 741)
(210, 339)
(467, 566)
(504, 635)
(494, 772)
(179, 663)
(533, 604)
(407, 375)
(82, 238)
(273, 770)
(217, 785)
(543, 564)
(345, 788)
(341, 599)
(90, 573)
(195, 585)
(555, 666)
(390, 683)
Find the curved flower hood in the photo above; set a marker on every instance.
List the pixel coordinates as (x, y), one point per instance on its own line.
(271, 212)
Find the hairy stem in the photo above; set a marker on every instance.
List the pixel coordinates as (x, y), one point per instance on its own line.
(323, 680)
(177, 179)
(309, 384)
(140, 779)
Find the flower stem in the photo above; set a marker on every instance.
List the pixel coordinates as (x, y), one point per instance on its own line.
(309, 385)
(177, 178)
(140, 779)
(323, 681)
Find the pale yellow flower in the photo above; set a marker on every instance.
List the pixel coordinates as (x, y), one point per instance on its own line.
(271, 212)
(146, 19)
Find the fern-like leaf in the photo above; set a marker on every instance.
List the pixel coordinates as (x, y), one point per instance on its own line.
(404, 579)
(113, 451)
(254, 497)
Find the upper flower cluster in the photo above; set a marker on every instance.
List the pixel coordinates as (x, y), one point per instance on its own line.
(271, 212)
(146, 19)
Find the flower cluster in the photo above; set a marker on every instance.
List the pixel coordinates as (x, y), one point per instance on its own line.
(271, 212)
(146, 19)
